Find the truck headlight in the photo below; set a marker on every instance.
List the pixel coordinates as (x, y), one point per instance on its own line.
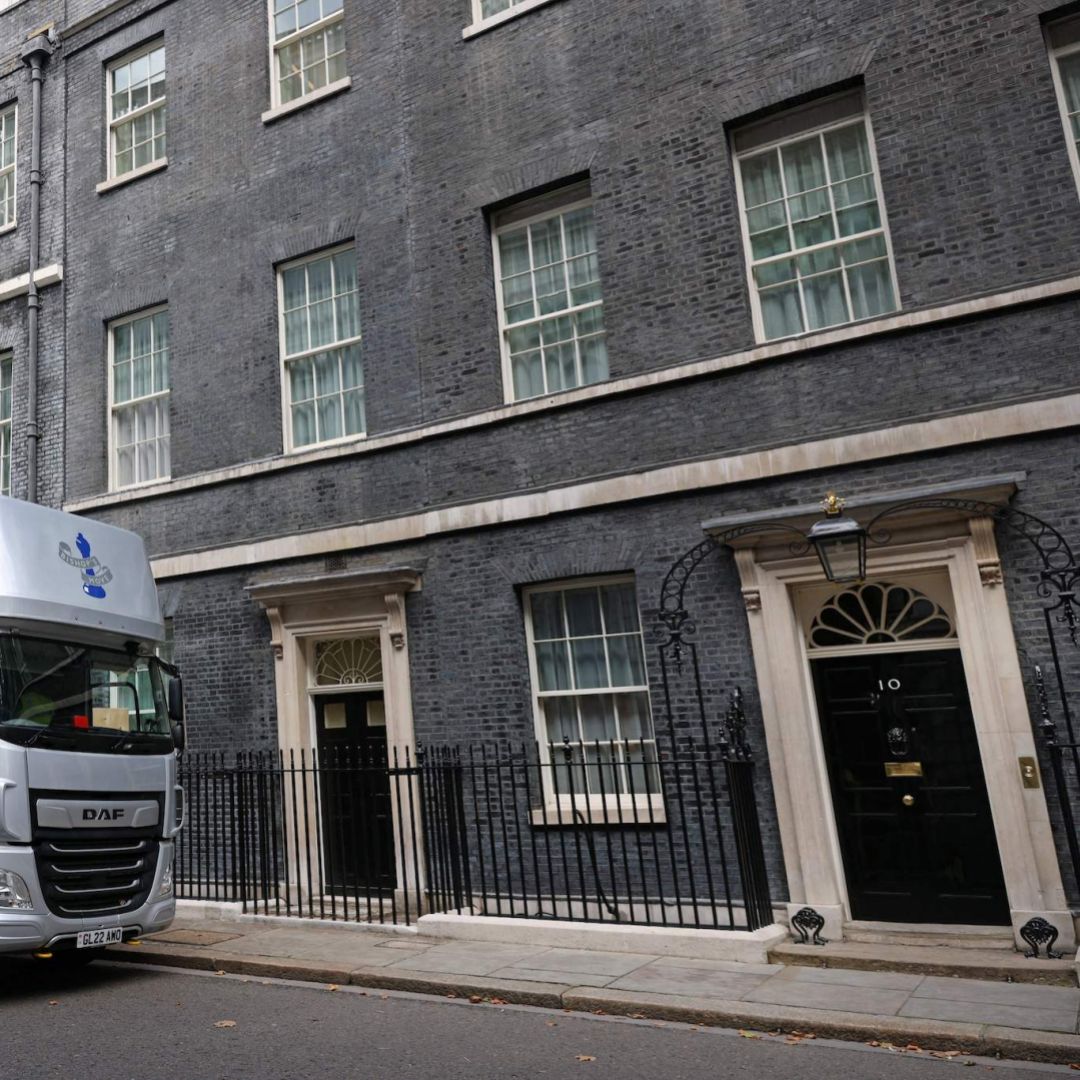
(13, 892)
(166, 887)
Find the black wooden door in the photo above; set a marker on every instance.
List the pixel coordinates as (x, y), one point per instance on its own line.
(908, 789)
(356, 813)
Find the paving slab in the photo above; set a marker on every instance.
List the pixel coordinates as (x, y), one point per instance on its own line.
(588, 961)
(736, 967)
(666, 978)
(182, 936)
(326, 947)
(467, 958)
(972, 1012)
(836, 997)
(879, 980)
(580, 978)
(1036, 997)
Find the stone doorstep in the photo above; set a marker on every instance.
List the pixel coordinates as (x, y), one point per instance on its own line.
(992, 964)
(929, 1035)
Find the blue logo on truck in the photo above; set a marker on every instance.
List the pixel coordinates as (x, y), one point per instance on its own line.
(95, 576)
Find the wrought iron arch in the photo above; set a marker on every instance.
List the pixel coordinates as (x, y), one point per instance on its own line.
(1059, 577)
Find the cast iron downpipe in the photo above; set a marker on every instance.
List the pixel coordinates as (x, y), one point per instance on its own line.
(34, 54)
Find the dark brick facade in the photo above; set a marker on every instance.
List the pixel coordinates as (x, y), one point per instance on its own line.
(640, 96)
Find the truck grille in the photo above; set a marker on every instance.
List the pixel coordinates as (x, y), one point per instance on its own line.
(82, 877)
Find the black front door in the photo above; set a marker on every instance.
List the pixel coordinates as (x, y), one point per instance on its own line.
(908, 789)
(356, 813)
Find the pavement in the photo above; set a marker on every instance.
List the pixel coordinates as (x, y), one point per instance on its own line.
(996, 1019)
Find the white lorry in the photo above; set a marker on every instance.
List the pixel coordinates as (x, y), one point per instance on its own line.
(91, 721)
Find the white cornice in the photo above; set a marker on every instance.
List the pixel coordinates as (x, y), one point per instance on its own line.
(1010, 421)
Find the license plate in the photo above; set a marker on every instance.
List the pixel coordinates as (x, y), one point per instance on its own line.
(96, 939)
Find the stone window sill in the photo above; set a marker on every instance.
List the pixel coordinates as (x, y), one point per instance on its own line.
(504, 16)
(324, 92)
(9, 228)
(130, 177)
(595, 815)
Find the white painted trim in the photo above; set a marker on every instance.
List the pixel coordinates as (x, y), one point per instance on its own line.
(52, 274)
(112, 178)
(128, 177)
(595, 391)
(807, 824)
(338, 86)
(750, 262)
(1059, 90)
(277, 108)
(557, 211)
(110, 408)
(13, 108)
(480, 24)
(1009, 421)
(563, 808)
(744, 946)
(285, 358)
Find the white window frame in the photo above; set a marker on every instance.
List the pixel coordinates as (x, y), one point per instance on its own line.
(112, 122)
(7, 360)
(285, 359)
(505, 327)
(13, 169)
(748, 258)
(649, 809)
(1056, 56)
(275, 46)
(113, 405)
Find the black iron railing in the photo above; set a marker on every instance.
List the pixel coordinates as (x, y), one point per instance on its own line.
(590, 832)
(336, 837)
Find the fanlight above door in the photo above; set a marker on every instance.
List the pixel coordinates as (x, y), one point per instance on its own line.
(348, 662)
(879, 613)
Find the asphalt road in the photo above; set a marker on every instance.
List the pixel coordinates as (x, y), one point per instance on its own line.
(120, 1022)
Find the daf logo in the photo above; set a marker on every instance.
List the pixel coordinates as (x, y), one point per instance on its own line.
(104, 814)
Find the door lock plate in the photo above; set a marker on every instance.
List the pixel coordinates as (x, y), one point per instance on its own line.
(1029, 772)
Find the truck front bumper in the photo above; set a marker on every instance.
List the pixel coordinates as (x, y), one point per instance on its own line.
(37, 929)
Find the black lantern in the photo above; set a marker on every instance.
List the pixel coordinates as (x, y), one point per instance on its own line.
(840, 543)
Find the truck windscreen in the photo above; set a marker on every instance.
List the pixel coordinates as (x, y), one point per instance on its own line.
(65, 696)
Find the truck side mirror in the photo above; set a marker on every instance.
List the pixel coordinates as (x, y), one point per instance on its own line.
(176, 700)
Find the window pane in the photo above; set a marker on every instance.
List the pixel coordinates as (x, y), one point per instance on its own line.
(514, 252)
(849, 152)
(582, 612)
(303, 424)
(761, 178)
(561, 721)
(804, 166)
(620, 608)
(354, 413)
(552, 667)
(825, 302)
(627, 663)
(301, 380)
(780, 312)
(590, 668)
(547, 620)
(330, 420)
(871, 290)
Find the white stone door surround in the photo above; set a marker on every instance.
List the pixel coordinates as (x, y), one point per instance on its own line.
(304, 611)
(962, 549)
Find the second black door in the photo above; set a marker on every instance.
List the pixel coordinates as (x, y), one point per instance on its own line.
(910, 799)
(356, 813)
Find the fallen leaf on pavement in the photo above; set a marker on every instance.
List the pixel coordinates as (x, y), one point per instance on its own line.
(497, 1001)
(749, 1034)
(333, 986)
(475, 999)
(54, 1002)
(552, 1023)
(585, 1057)
(1072, 1064)
(219, 972)
(224, 1023)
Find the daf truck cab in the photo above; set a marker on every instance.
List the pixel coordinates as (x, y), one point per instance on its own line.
(91, 721)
